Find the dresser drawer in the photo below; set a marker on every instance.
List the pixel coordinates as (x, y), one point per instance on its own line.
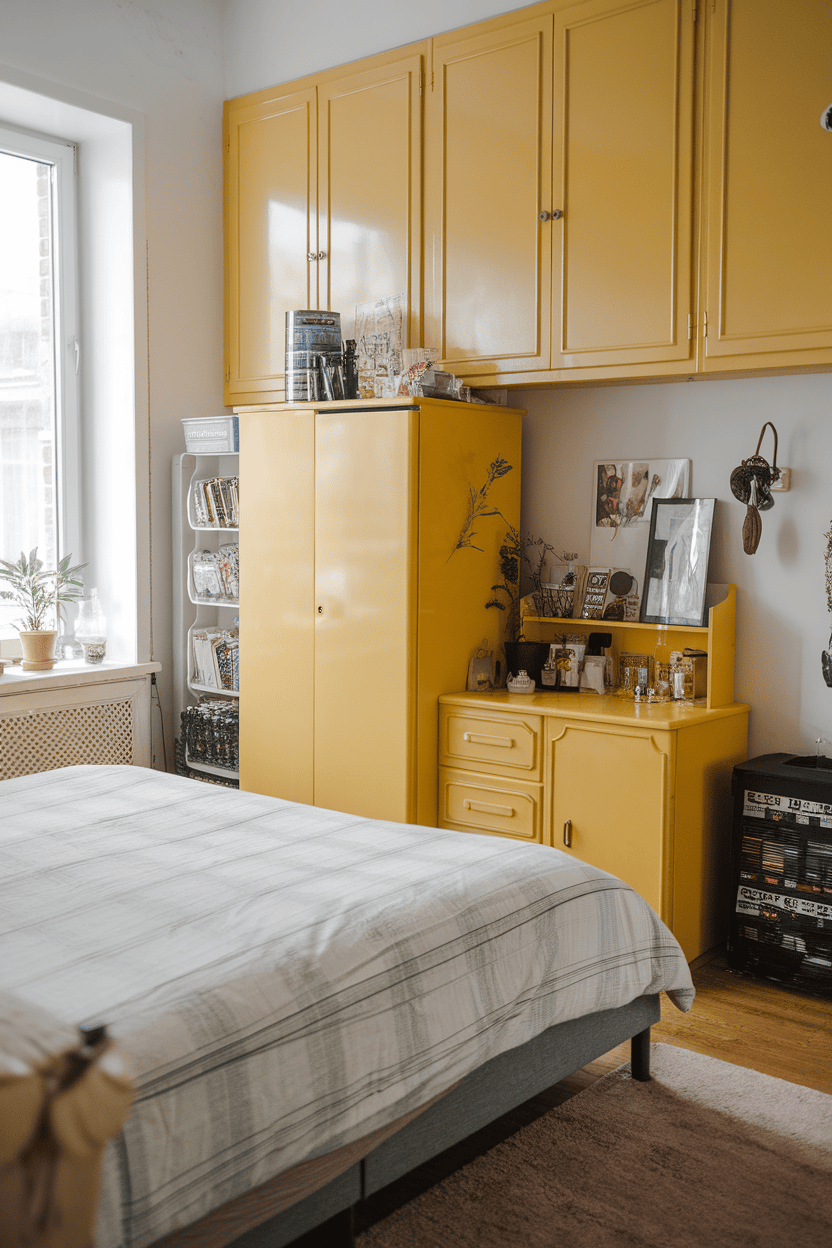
(473, 803)
(509, 745)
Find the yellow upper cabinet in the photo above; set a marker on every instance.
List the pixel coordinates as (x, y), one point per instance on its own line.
(488, 177)
(323, 197)
(767, 260)
(270, 233)
(623, 142)
(612, 189)
(370, 189)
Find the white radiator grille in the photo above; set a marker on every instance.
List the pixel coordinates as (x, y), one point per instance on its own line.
(44, 740)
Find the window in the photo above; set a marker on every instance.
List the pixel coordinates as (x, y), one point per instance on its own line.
(39, 487)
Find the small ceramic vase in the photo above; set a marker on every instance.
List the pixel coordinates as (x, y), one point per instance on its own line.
(521, 683)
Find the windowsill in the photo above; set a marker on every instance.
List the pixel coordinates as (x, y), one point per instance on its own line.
(69, 673)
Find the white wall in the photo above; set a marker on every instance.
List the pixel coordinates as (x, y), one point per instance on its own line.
(163, 61)
(782, 621)
(267, 42)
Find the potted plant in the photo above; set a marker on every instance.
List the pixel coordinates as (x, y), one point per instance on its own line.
(40, 594)
(525, 555)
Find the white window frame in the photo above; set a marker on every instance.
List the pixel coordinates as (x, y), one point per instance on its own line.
(62, 156)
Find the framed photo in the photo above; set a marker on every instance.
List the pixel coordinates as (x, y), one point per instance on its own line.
(676, 575)
(595, 593)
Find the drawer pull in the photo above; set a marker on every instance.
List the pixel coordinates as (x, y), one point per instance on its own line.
(485, 808)
(567, 833)
(478, 739)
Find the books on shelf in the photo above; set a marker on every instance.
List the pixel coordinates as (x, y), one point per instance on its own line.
(216, 502)
(216, 658)
(216, 574)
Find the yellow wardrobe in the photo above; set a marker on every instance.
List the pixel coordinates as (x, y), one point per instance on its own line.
(369, 543)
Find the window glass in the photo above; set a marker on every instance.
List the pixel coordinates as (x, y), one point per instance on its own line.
(31, 399)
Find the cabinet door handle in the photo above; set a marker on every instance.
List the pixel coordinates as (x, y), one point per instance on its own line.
(321, 255)
(551, 216)
(311, 255)
(478, 739)
(484, 808)
(567, 833)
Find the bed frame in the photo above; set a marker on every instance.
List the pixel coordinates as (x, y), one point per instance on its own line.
(485, 1095)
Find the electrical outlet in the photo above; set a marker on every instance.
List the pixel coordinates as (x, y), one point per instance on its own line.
(784, 481)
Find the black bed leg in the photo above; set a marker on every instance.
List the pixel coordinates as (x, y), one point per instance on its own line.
(344, 1228)
(640, 1056)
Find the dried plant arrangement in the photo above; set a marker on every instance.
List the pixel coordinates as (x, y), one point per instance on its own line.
(479, 507)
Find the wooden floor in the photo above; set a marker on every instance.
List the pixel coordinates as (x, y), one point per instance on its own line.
(739, 1019)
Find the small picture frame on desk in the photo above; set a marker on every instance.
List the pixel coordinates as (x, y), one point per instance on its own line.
(595, 593)
(676, 575)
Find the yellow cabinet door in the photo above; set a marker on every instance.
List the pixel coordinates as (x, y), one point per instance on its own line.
(370, 189)
(270, 237)
(277, 596)
(488, 177)
(624, 87)
(365, 550)
(610, 803)
(768, 263)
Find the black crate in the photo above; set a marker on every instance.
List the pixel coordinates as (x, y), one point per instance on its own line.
(781, 922)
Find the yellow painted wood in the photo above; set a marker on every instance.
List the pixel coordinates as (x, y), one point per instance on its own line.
(769, 185)
(277, 604)
(647, 789)
(270, 228)
(717, 639)
(623, 135)
(370, 188)
(365, 607)
(488, 176)
(615, 786)
(707, 754)
(472, 803)
(458, 442)
(358, 509)
(503, 745)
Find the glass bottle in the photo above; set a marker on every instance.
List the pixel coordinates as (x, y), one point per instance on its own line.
(91, 628)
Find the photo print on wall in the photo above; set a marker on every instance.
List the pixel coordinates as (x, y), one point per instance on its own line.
(623, 491)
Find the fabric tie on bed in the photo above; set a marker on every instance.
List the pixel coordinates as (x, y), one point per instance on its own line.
(57, 1115)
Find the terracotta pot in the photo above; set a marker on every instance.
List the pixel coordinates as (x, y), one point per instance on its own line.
(38, 649)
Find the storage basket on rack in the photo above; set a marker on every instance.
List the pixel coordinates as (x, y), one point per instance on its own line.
(553, 602)
(210, 731)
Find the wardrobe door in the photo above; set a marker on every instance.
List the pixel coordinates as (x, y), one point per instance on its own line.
(365, 550)
(270, 237)
(768, 267)
(623, 168)
(277, 603)
(370, 189)
(488, 178)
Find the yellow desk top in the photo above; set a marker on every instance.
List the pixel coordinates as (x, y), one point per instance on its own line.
(598, 708)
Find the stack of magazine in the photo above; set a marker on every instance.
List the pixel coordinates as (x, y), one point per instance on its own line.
(216, 503)
(216, 658)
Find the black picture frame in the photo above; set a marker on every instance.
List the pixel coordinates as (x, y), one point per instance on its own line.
(676, 572)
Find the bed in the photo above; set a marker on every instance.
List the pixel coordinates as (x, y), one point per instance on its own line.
(312, 1002)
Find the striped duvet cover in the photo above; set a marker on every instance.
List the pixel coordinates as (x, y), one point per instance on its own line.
(286, 979)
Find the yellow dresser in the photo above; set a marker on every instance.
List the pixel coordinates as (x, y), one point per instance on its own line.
(639, 790)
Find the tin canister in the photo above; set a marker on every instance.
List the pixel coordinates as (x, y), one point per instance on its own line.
(310, 333)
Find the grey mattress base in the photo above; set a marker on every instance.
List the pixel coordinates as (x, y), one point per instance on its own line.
(500, 1085)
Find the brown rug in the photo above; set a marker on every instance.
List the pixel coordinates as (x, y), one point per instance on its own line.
(705, 1155)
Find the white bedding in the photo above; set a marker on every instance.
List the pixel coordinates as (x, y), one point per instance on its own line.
(285, 979)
